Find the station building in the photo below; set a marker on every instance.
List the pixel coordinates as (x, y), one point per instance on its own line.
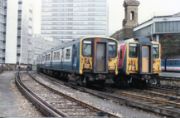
(68, 20)
(166, 30)
(15, 31)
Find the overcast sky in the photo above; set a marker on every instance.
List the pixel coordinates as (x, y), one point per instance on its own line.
(147, 9)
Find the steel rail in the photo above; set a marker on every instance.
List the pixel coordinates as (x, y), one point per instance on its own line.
(38, 102)
(151, 105)
(163, 94)
(77, 101)
(166, 88)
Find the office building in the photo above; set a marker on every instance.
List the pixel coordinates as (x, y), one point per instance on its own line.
(3, 7)
(66, 20)
(15, 31)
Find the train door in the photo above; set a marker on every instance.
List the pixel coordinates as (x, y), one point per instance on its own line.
(51, 59)
(101, 57)
(74, 57)
(61, 57)
(145, 59)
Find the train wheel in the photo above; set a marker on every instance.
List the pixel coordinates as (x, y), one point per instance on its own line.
(154, 81)
(60, 75)
(87, 82)
(63, 77)
(66, 78)
(79, 81)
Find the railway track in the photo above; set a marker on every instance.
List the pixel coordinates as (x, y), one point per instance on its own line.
(156, 100)
(170, 82)
(52, 103)
(175, 91)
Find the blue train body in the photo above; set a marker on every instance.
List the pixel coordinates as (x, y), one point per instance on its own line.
(62, 59)
(90, 59)
(170, 65)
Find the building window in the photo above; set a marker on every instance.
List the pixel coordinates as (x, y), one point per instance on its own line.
(19, 37)
(19, 11)
(132, 15)
(19, 28)
(18, 54)
(20, 2)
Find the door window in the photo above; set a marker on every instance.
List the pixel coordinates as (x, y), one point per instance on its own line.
(145, 52)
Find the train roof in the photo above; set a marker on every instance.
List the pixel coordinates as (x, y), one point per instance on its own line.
(98, 37)
(141, 40)
(69, 43)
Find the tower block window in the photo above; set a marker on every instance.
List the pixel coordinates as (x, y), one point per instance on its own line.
(132, 15)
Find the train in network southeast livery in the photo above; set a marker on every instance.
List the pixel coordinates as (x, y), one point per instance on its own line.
(170, 65)
(90, 60)
(139, 62)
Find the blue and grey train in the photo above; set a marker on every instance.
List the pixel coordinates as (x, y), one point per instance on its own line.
(170, 65)
(88, 60)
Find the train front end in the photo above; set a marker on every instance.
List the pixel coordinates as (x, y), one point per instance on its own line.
(143, 61)
(98, 59)
(139, 62)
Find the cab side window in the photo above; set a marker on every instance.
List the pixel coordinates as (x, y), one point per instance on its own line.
(133, 50)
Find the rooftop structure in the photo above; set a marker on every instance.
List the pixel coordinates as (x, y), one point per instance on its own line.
(165, 29)
(159, 25)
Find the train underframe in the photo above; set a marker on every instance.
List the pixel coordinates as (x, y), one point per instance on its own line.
(87, 79)
(136, 80)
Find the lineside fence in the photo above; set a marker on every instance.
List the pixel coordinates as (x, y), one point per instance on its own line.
(15, 67)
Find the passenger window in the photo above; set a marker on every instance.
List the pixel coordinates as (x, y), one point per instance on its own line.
(54, 56)
(87, 48)
(155, 51)
(58, 55)
(133, 50)
(67, 53)
(49, 57)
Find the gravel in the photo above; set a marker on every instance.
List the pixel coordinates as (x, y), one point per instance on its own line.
(121, 111)
(14, 103)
